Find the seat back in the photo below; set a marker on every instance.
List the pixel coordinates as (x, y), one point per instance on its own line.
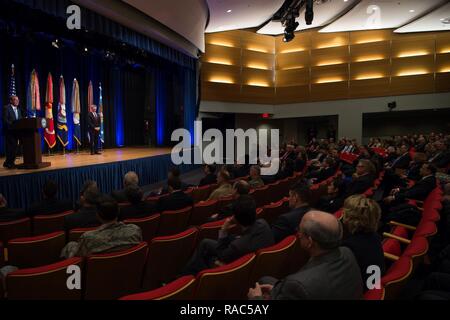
(229, 282)
(46, 224)
(298, 258)
(417, 250)
(2, 255)
(202, 211)
(75, 234)
(392, 246)
(149, 226)
(261, 196)
(113, 275)
(272, 211)
(44, 283)
(396, 277)
(210, 230)
(201, 193)
(14, 229)
(167, 256)
(223, 202)
(36, 251)
(273, 261)
(173, 222)
(180, 289)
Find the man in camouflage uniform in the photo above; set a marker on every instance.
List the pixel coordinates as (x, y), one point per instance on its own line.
(111, 236)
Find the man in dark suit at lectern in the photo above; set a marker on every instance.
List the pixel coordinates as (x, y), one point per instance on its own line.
(11, 113)
(94, 129)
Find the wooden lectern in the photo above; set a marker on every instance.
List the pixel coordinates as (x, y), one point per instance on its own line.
(28, 131)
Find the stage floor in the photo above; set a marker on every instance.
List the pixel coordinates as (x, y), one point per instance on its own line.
(83, 159)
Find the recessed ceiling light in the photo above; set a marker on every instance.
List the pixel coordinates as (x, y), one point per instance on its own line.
(229, 11)
(412, 10)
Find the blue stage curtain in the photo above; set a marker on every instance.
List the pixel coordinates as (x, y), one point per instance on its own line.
(93, 21)
(132, 92)
(161, 107)
(23, 190)
(190, 102)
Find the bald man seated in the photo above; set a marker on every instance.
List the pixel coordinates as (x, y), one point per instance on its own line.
(331, 273)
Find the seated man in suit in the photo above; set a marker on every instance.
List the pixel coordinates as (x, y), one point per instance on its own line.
(176, 199)
(111, 236)
(130, 179)
(418, 191)
(240, 188)
(441, 159)
(287, 224)
(138, 208)
(255, 180)
(402, 161)
(363, 179)
(50, 204)
(255, 235)
(334, 199)
(7, 214)
(331, 273)
(86, 216)
(326, 170)
(225, 189)
(210, 175)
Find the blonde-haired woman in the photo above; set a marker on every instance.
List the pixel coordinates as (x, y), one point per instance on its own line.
(361, 218)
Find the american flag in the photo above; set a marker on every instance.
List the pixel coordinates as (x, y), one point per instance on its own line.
(12, 83)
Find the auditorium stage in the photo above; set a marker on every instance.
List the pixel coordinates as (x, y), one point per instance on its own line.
(22, 187)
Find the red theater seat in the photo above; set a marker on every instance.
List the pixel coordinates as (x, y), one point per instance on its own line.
(173, 222)
(201, 193)
(149, 226)
(75, 234)
(202, 211)
(167, 256)
(49, 223)
(223, 202)
(374, 294)
(114, 275)
(396, 277)
(262, 196)
(36, 251)
(2, 255)
(181, 289)
(229, 282)
(272, 211)
(43, 283)
(210, 230)
(14, 229)
(272, 261)
(392, 247)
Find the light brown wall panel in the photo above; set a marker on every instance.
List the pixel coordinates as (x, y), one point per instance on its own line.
(352, 65)
(329, 91)
(412, 84)
(293, 60)
(292, 94)
(329, 56)
(263, 78)
(258, 60)
(370, 69)
(296, 77)
(369, 88)
(370, 51)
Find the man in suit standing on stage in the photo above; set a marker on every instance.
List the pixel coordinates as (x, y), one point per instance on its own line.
(11, 113)
(94, 129)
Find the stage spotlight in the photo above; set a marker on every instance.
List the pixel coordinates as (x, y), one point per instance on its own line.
(309, 12)
(288, 36)
(55, 44)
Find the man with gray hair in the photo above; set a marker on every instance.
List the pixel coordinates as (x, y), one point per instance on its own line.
(331, 273)
(130, 179)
